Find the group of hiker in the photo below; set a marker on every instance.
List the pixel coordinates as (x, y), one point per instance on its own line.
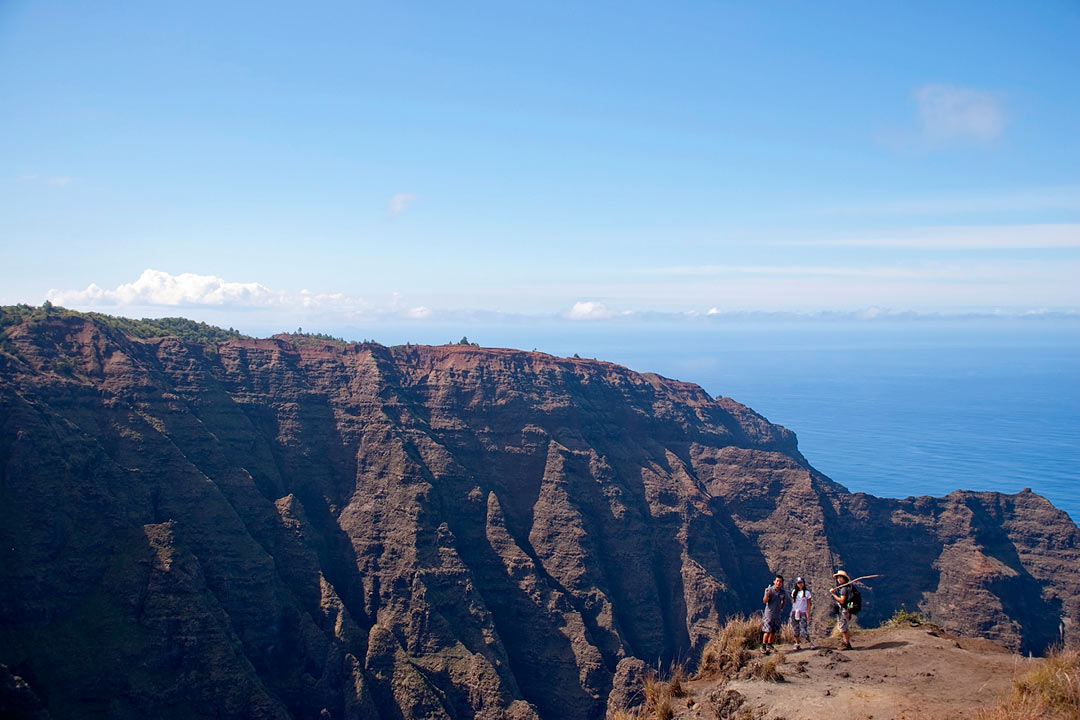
(845, 594)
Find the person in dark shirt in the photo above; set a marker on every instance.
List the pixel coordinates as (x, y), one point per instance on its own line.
(774, 603)
(841, 596)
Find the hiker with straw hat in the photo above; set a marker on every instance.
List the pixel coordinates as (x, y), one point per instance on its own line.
(841, 594)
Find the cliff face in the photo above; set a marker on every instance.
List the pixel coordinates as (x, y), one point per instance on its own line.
(258, 529)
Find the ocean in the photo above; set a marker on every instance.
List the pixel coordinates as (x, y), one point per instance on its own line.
(891, 408)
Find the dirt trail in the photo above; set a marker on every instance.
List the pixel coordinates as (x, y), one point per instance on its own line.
(911, 673)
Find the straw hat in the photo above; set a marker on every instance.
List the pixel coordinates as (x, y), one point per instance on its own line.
(843, 573)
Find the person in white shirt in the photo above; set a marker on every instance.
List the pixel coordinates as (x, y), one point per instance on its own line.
(801, 603)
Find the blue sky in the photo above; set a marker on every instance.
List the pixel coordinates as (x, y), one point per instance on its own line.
(358, 162)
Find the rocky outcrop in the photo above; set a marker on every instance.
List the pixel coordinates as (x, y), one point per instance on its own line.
(258, 528)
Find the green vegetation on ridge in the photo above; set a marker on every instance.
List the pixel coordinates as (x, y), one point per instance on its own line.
(178, 327)
(182, 328)
(307, 338)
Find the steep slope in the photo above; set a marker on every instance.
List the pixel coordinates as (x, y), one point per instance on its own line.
(256, 528)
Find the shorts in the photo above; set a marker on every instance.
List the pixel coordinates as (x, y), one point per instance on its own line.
(801, 626)
(843, 620)
(770, 624)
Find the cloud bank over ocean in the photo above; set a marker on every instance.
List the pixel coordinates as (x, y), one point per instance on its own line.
(208, 297)
(154, 287)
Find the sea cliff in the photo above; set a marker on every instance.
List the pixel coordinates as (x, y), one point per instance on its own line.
(212, 525)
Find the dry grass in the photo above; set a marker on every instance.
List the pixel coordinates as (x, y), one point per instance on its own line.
(1049, 692)
(853, 625)
(729, 654)
(676, 681)
(765, 668)
(729, 651)
(732, 650)
(660, 695)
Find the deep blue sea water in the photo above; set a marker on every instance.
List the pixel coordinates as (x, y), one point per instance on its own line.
(889, 408)
(921, 411)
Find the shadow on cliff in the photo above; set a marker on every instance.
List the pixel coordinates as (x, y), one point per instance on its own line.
(313, 466)
(865, 538)
(541, 656)
(1023, 598)
(748, 571)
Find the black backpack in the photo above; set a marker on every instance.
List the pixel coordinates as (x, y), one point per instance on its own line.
(854, 601)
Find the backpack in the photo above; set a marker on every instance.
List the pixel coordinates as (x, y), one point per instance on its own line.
(854, 601)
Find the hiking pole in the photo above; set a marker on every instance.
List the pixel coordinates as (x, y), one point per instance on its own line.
(852, 582)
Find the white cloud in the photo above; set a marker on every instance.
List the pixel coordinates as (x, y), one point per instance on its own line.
(967, 237)
(774, 277)
(949, 112)
(399, 203)
(796, 270)
(945, 285)
(1029, 200)
(590, 310)
(155, 288)
(716, 291)
(55, 180)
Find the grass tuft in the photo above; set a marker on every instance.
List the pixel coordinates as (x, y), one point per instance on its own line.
(766, 668)
(731, 651)
(903, 618)
(676, 681)
(660, 695)
(1049, 692)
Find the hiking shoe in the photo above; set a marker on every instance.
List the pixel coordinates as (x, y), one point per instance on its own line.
(813, 646)
(796, 646)
(847, 647)
(764, 649)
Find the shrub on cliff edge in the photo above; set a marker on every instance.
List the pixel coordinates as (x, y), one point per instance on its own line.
(904, 618)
